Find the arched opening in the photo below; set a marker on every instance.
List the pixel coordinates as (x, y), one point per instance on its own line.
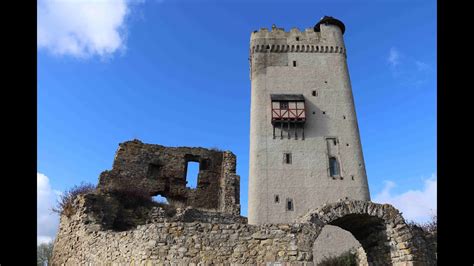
(370, 232)
(380, 229)
(334, 241)
(160, 199)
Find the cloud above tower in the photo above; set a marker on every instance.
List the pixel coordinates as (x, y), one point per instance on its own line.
(82, 28)
(416, 204)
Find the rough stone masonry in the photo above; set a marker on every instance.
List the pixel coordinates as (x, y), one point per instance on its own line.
(159, 170)
(107, 228)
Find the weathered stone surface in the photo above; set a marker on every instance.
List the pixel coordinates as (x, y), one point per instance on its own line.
(159, 170)
(372, 225)
(108, 228)
(170, 241)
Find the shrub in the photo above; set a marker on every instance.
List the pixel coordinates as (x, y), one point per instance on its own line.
(65, 203)
(214, 148)
(347, 258)
(428, 227)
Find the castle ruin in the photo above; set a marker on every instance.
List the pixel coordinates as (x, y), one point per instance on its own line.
(306, 172)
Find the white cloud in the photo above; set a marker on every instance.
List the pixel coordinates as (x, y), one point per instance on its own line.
(394, 57)
(82, 28)
(47, 222)
(421, 66)
(416, 205)
(409, 71)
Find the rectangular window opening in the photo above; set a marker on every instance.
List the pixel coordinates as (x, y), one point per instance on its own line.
(192, 172)
(294, 63)
(333, 167)
(287, 158)
(315, 93)
(277, 199)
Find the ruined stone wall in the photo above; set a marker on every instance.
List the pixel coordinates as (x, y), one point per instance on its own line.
(80, 240)
(193, 236)
(158, 170)
(380, 229)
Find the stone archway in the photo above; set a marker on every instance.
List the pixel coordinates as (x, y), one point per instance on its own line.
(380, 228)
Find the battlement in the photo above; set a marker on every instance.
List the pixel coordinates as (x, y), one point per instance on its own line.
(325, 37)
(298, 48)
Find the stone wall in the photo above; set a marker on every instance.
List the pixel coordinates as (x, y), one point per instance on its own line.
(380, 229)
(192, 236)
(81, 240)
(158, 170)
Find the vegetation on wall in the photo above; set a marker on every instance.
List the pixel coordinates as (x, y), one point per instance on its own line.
(65, 203)
(347, 258)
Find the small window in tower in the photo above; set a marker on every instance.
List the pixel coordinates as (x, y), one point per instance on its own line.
(287, 158)
(315, 93)
(277, 199)
(297, 38)
(324, 113)
(289, 204)
(284, 105)
(333, 167)
(334, 141)
(294, 63)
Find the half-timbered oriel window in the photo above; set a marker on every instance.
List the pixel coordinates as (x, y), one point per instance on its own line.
(288, 115)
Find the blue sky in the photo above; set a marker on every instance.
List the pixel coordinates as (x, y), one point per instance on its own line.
(176, 73)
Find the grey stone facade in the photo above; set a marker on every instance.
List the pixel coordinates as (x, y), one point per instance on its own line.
(311, 63)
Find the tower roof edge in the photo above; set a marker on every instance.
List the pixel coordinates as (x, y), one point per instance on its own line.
(332, 21)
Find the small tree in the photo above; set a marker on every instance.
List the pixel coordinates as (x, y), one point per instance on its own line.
(428, 227)
(44, 252)
(65, 203)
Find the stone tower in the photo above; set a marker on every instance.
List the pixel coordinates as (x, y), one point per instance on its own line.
(305, 148)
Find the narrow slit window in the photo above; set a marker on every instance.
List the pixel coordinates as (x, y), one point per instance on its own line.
(333, 167)
(315, 93)
(289, 205)
(277, 199)
(287, 158)
(294, 63)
